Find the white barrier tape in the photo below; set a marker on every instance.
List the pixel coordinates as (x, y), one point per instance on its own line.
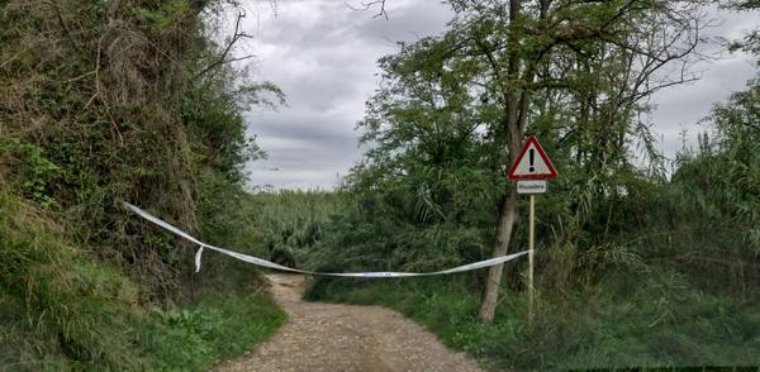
(198, 259)
(264, 263)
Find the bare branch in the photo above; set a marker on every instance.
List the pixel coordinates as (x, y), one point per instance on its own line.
(369, 4)
(236, 36)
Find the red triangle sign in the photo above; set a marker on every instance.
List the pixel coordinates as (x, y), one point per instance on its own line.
(532, 163)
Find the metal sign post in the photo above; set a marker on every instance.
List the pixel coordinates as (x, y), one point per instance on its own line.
(531, 173)
(531, 243)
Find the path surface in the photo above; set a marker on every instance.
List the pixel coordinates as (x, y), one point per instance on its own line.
(333, 337)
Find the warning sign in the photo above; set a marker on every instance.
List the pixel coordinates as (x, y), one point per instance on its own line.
(532, 163)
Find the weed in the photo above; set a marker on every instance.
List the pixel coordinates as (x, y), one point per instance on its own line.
(199, 336)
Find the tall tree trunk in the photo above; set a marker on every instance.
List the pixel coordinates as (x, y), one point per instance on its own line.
(507, 212)
(506, 222)
(514, 101)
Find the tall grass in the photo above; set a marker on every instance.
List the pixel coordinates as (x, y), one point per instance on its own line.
(57, 304)
(60, 310)
(290, 224)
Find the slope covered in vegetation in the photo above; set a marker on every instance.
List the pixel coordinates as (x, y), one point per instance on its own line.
(111, 101)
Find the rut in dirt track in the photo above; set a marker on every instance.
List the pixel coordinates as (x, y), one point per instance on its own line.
(333, 337)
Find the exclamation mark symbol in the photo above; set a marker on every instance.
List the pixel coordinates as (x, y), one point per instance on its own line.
(531, 157)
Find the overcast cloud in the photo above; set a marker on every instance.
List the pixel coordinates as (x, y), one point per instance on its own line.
(323, 55)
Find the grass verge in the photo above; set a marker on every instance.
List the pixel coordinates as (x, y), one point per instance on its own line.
(658, 323)
(217, 328)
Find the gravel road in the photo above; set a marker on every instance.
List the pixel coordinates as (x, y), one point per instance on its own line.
(333, 337)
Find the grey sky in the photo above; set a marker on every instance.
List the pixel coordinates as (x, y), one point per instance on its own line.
(323, 55)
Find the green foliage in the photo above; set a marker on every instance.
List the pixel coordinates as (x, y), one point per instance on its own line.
(384, 244)
(655, 320)
(61, 305)
(633, 268)
(167, 13)
(123, 101)
(105, 102)
(37, 170)
(60, 310)
(718, 191)
(289, 225)
(429, 187)
(227, 218)
(200, 336)
(433, 183)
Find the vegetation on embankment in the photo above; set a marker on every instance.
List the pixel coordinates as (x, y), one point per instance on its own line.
(60, 310)
(111, 101)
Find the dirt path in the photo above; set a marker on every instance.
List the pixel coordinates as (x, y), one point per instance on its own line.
(329, 337)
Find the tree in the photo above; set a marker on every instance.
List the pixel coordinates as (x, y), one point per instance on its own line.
(604, 54)
(583, 69)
